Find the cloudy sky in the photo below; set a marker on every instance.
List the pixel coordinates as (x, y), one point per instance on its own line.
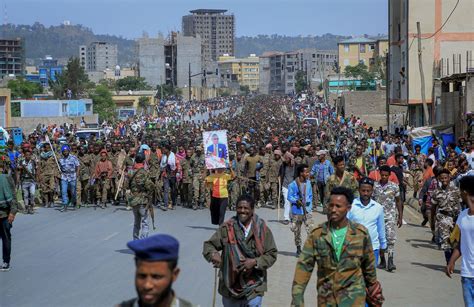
(130, 18)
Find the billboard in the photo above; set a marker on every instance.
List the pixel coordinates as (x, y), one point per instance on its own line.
(216, 149)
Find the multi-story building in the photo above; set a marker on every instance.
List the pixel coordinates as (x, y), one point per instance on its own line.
(318, 64)
(239, 71)
(98, 56)
(216, 29)
(272, 73)
(355, 51)
(5, 110)
(170, 60)
(446, 31)
(48, 70)
(12, 57)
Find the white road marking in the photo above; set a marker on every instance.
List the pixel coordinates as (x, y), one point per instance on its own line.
(110, 236)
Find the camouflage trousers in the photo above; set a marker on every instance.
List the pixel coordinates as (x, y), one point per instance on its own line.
(391, 234)
(274, 193)
(186, 193)
(82, 191)
(235, 192)
(296, 222)
(101, 189)
(263, 190)
(47, 183)
(444, 225)
(199, 190)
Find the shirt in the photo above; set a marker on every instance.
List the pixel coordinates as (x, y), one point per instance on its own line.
(245, 229)
(465, 223)
(372, 217)
(68, 167)
(337, 238)
(219, 184)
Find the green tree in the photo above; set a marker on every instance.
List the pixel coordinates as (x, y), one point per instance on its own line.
(21, 88)
(168, 90)
(359, 71)
(245, 89)
(132, 84)
(103, 103)
(301, 83)
(144, 103)
(378, 68)
(73, 78)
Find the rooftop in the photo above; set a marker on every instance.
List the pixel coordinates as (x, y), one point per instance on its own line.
(357, 40)
(208, 11)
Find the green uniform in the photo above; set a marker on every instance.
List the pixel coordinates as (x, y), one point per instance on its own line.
(141, 188)
(186, 183)
(340, 283)
(448, 207)
(83, 179)
(272, 179)
(198, 166)
(348, 181)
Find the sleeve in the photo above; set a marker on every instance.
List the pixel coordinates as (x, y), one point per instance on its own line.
(214, 244)
(381, 229)
(314, 169)
(309, 192)
(331, 168)
(304, 269)
(368, 262)
(269, 256)
(292, 193)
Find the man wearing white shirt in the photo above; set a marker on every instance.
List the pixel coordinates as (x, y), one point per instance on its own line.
(465, 247)
(169, 171)
(370, 214)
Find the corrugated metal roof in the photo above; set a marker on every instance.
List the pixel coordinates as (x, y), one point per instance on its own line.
(357, 40)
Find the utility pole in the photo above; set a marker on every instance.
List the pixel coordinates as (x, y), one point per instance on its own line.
(387, 90)
(422, 78)
(189, 82)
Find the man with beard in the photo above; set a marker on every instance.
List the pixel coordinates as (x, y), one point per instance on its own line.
(156, 262)
(69, 168)
(244, 249)
(47, 172)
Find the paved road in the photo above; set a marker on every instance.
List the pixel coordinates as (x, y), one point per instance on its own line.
(80, 259)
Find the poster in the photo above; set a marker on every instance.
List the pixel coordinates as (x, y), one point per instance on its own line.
(216, 149)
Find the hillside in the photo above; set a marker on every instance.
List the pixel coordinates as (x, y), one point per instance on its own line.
(41, 40)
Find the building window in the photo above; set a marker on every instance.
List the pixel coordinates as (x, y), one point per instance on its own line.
(346, 62)
(362, 48)
(346, 48)
(362, 61)
(371, 47)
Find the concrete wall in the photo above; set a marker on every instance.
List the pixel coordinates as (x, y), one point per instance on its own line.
(370, 107)
(188, 52)
(30, 123)
(151, 60)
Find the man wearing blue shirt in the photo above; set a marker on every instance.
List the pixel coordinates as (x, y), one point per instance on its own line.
(369, 213)
(300, 195)
(321, 171)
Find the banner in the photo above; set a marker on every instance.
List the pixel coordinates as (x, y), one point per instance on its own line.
(216, 149)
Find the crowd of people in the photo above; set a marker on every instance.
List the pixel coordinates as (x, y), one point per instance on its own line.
(356, 174)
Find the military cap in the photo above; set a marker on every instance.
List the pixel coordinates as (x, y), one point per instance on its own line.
(366, 180)
(159, 247)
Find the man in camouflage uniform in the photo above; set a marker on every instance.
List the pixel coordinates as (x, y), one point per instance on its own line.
(83, 177)
(273, 175)
(237, 184)
(198, 166)
(47, 173)
(387, 194)
(140, 186)
(154, 169)
(446, 205)
(187, 180)
(343, 272)
(340, 178)
(264, 188)
(360, 163)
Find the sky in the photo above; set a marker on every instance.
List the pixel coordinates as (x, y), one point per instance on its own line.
(129, 18)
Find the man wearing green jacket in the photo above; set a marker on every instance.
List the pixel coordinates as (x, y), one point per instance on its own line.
(8, 209)
(243, 249)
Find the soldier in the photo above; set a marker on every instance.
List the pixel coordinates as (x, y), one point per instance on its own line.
(155, 256)
(27, 179)
(83, 193)
(102, 177)
(47, 173)
(198, 166)
(141, 187)
(341, 177)
(236, 185)
(352, 268)
(263, 186)
(187, 180)
(300, 195)
(273, 176)
(445, 206)
(8, 210)
(154, 169)
(387, 194)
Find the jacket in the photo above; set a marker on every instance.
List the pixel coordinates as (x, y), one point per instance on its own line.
(294, 195)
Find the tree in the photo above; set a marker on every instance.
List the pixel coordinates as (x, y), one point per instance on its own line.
(21, 88)
(301, 83)
(359, 71)
(379, 67)
(168, 90)
(132, 84)
(74, 78)
(245, 89)
(144, 103)
(103, 103)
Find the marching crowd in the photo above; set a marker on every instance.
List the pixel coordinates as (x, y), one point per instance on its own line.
(357, 175)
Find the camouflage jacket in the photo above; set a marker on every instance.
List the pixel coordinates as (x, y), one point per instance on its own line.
(340, 283)
(367, 164)
(186, 170)
(447, 201)
(198, 165)
(154, 165)
(273, 170)
(385, 195)
(348, 181)
(140, 186)
(84, 167)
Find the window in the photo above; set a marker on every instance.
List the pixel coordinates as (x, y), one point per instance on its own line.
(88, 107)
(362, 61)
(346, 48)
(371, 47)
(346, 62)
(362, 48)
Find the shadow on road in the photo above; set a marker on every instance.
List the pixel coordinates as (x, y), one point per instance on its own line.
(203, 227)
(416, 225)
(125, 251)
(284, 253)
(435, 267)
(421, 243)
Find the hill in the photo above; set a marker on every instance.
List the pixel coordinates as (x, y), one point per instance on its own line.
(63, 41)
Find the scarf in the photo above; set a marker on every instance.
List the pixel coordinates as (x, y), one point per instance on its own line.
(138, 166)
(236, 251)
(46, 155)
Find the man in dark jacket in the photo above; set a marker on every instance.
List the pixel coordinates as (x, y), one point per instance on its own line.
(8, 210)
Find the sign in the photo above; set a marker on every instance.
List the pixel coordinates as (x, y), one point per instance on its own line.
(216, 149)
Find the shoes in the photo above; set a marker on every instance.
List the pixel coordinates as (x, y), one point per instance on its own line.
(390, 266)
(64, 208)
(128, 208)
(5, 267)
(285, 222)
(425, 221)
(170, 207)
(298, 250)
(195, 207)
(404, 222)
(382, 265)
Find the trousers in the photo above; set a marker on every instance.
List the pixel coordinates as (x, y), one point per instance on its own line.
(296, 222)
(218, 207)
(6, 236)
(231, 302)
(287, 205)
(28, 188)
(65, 186)
(140, 222)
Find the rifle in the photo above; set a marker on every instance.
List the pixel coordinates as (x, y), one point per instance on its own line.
(300, 203)
(120, 183)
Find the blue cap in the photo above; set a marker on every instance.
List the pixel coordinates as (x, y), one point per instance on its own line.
(159, 247)
(65, 147)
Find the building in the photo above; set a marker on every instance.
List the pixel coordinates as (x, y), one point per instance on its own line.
(12, 57)
(55, 108)
(129, 100)
(355, 51)
(111, 74)
(170, 60)
(48, 70)
(447, 35)
(236, 72)
(272, 73)
(98, 56)
(318, 64)
(216, 29)
(5, 114)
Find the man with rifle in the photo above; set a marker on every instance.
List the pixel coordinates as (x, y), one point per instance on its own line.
(300, 195)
